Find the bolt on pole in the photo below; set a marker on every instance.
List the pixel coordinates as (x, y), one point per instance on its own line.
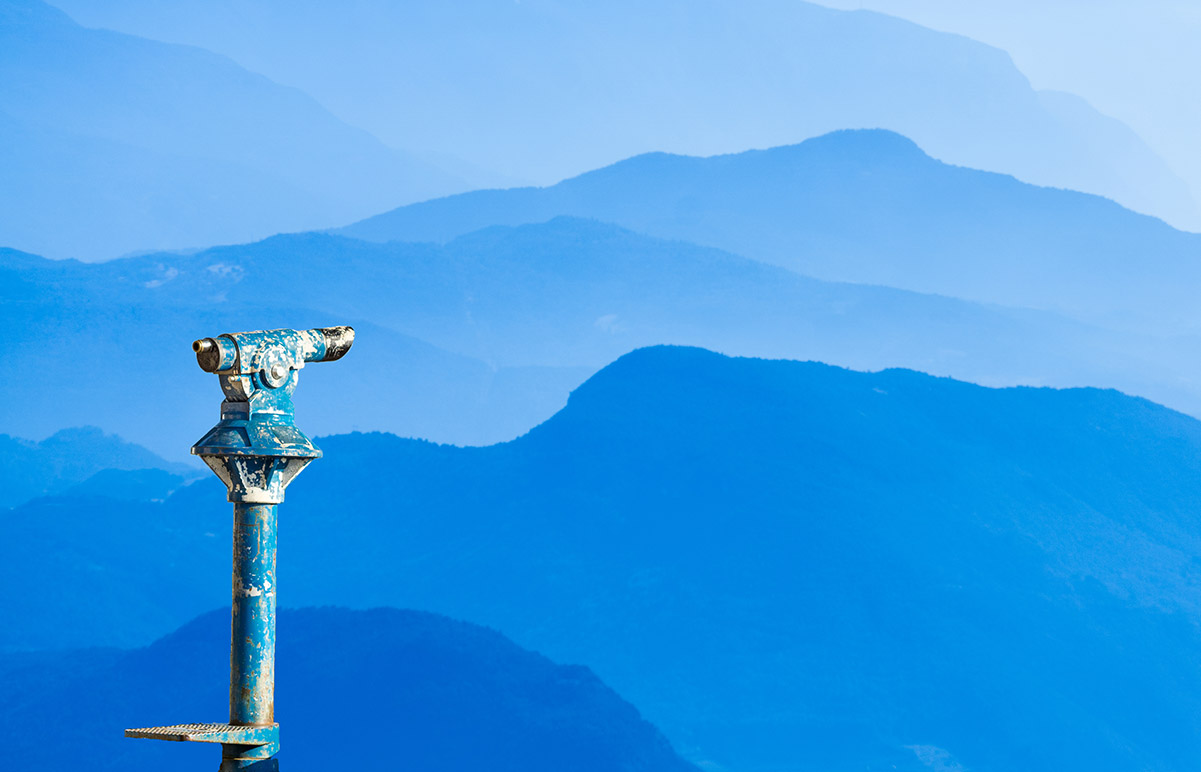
(257, 451)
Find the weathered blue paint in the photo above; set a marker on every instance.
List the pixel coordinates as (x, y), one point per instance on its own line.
(257, 451)
(252, 647)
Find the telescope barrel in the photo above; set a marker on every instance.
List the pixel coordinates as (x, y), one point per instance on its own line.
(323, 344)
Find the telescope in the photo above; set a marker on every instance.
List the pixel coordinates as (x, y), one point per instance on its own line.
(256, 450)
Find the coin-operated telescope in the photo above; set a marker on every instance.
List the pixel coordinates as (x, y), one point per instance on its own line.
(256, 450)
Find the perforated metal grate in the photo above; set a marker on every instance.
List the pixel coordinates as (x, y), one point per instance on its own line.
(227, 733)
(182, 731)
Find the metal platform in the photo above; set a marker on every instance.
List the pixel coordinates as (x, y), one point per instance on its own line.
(231, 734)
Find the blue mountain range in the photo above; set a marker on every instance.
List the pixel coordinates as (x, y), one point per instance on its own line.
(785, 565)
(868, 207)
(380, 689)
(480, 312)
(477, 340)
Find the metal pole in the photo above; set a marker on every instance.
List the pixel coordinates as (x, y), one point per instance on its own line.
(252, 635)
(252, 641)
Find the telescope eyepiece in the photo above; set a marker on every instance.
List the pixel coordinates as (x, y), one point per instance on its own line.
(338, 341)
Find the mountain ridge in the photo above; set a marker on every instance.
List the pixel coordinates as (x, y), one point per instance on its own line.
(483, 337)
(71, 458)
(864, 207)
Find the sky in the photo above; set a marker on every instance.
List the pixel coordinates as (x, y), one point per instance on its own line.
(1139, 62)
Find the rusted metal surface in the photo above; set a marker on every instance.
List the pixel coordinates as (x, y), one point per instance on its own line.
(256, 450)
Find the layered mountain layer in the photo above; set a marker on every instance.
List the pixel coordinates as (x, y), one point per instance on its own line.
(784, 565)
(544, 89)
(477, 340)
(403, 689)
(112, 143)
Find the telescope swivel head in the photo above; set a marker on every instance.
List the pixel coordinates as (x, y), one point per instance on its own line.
(255, 448)
(261, 366)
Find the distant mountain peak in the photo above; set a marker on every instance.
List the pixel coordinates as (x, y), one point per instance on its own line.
(69, 457)
(859, 141)
(859, 146)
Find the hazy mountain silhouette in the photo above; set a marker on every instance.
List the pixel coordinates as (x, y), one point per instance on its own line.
(870, 207)
(428, 692)
(784, 565)
(480, 339)
(112, 143)
(132, 484)
(72, 456)
(544, 89)
(105, 318)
